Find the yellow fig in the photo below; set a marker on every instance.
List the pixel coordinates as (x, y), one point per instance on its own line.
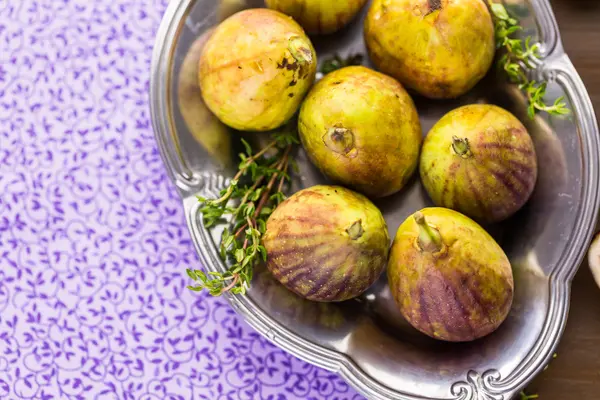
(361, 129)
(319, 16)
(439, 48)
(256, 68)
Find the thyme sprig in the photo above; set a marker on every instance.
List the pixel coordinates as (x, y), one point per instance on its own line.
(336, 62)
(518, 56)
(525, 396)
(249, 199)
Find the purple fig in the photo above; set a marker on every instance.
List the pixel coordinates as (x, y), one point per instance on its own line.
(326, 243)
(449, 277)
(479, 160)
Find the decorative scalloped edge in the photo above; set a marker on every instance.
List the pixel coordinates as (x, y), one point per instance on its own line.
(489, 385)
(477, 386)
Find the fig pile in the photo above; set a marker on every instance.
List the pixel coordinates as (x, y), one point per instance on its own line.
(360, 128)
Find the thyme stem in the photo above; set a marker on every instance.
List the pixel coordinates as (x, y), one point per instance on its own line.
(253, 186)
(520, 55)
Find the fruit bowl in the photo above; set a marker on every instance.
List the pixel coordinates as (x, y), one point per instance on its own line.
(366, 340)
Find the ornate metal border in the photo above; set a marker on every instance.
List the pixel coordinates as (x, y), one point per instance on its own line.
(486, 385)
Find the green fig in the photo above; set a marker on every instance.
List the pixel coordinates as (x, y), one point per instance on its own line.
(361, 129)
(255, 69)
(439, 48)
(479, 160)
(326, 243)
(319, 16)
(448, 276)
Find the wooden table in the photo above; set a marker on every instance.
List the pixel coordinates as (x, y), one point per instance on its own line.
(575, 373)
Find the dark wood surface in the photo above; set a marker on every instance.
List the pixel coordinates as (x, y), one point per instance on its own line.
(575, 373)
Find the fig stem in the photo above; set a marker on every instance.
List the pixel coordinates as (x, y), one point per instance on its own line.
(355, 231)
(429, 237)
(461, 146)
(265, 197)
(300, 50)
(434, 5)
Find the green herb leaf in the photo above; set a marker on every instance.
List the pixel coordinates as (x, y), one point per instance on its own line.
(247, 201)
(500, 12)
(525, 396)
(247, 147)
(191, 274)
(518, 55)
(262, 226)
(336, 62)
(263, 253)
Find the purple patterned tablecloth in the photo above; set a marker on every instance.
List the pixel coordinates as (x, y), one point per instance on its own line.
(93, 242)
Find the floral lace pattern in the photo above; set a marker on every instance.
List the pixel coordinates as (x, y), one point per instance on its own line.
(93, 242)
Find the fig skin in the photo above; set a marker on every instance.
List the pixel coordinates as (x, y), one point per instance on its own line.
(319, 16)
(449, 277)
(326, 243)
(255, 69)
(439, 48)
(497, 174)
(361, 129)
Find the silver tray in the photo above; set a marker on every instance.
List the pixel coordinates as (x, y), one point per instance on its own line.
(366, 341)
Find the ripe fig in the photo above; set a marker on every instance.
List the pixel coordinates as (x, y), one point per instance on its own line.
(449, 277)
(361, 129)
(480, 161)
(256, 68)
(319, 16)
(326, 243)
(439, 48)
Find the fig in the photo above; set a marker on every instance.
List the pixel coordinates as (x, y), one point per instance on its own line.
(439, 48)
(479, 160)
(361, 129)
(326, 243)
(255, 69)
(319, 16)
(449, 277)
